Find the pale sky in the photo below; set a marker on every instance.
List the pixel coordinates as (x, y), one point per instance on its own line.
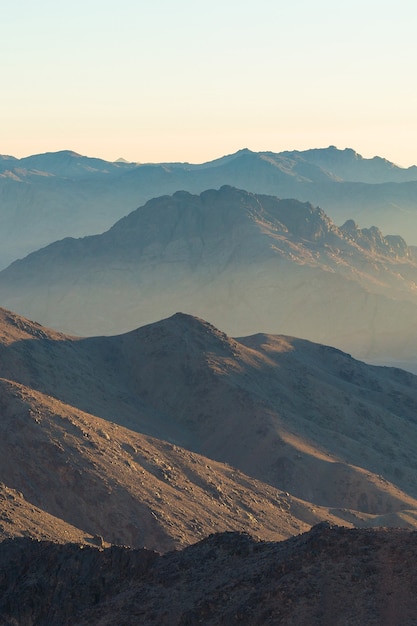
(191, 80)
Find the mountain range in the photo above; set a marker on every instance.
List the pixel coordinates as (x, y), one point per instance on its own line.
(242, 260)
(177, 473)
(49, 196)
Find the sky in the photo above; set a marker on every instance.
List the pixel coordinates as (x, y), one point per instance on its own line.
(192, 80)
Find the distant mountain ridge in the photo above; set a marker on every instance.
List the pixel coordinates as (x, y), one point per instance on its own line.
(348, 165)
(50, 196)
(345, 165)
(242, 260)
(65, 164)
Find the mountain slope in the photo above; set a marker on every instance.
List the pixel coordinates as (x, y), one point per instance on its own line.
(20, 518)
(300, 417)
(242, 260)
(113, 483)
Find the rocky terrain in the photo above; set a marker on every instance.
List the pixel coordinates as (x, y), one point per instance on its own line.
(49, 196)
(164, 435)
(245, 262)
(172, 475)
(20, 518)
(328, 576)
(105, 481)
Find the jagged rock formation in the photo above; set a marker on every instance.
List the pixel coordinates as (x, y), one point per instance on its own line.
(373, 240)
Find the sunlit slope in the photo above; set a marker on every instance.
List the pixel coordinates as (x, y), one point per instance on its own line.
(300, 417)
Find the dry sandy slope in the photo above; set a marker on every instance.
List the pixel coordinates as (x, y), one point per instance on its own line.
(20, 518)
(130, 489)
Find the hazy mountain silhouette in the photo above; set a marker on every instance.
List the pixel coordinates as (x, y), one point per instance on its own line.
(347, 165)
(50, 196)
(242, 260)
(64, 164)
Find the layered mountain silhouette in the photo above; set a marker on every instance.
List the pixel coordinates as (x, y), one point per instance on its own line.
(173, 431)
(49, 196)
(161, 436)
(242, 260)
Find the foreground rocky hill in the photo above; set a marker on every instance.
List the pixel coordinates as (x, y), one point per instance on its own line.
(71, 476)
(329, 576)
(244, 261)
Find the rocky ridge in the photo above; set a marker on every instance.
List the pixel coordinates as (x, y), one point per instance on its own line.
(329, 575)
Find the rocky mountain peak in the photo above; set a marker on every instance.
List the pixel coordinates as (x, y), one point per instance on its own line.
(373, 240)
(219, 213)
(186, 333)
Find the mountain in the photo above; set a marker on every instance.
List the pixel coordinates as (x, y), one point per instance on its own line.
(44, 197)
(242, 260)
(87, 480)
(170, 432)
(330, 575)
(65, 164)
(49, 196)
(68, 475)
(347, 165)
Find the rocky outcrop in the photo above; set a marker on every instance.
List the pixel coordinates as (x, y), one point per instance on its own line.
(373, 240)
(45, 583)
(331, 575)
